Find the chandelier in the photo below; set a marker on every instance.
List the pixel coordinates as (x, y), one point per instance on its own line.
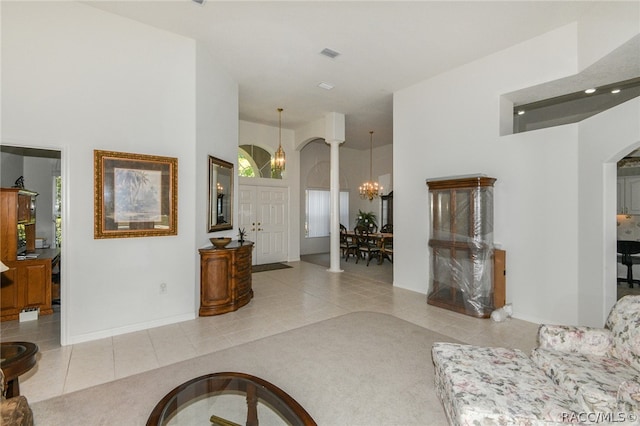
(278, 161)
(370, 189)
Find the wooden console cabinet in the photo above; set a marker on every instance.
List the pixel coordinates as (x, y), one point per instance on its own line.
(27, 283)
(225, 278)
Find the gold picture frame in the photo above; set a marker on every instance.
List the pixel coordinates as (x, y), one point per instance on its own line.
(135, 195)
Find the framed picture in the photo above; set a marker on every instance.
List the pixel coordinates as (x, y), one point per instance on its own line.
(136, 195)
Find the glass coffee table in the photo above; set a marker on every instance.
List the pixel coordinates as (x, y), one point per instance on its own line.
(16, 358)
(228, 399)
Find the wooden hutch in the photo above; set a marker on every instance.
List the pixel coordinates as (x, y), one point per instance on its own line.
(27, 282)
(467, 272)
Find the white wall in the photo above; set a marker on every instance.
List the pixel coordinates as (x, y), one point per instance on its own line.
(217, 102)
(604, 139)
(77, 79)
(11, 168)
(456, 116)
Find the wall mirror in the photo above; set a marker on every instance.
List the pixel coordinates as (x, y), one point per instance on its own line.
(220, 195)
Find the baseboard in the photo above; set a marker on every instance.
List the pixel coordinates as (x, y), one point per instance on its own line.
(129, 328)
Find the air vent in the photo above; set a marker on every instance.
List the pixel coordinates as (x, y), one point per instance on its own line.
(324, 85)
(328, 52)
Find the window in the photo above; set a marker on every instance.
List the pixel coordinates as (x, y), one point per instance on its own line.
(245, 166)
(254, 161)
(318, 212)
(57, 209)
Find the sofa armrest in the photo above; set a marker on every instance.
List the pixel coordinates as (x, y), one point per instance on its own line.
(578, 339)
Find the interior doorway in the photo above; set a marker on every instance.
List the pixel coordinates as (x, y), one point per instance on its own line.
(40, 171)
(628, 222)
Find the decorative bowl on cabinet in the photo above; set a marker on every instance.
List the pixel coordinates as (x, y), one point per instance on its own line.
(220, 242)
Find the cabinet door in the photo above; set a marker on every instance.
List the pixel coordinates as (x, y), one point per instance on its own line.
(37, 283)
(10, 297)
(215, 280)
(632, 195)
(26, 208)
(620, 197)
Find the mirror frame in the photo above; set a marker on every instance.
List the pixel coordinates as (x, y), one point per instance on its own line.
(212, 218)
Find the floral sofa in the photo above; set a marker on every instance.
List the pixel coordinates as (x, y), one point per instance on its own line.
(497, 386)
(598, 367)
(576, 375)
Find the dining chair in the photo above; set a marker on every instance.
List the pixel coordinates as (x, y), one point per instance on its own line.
(626, 249)
(367, 245)
(387, 229)
(348, 244)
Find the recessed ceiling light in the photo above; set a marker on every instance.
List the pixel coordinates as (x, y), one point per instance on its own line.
(521, 112)
(329, 53)
(589, 91)
(326, 86)
(614, 91)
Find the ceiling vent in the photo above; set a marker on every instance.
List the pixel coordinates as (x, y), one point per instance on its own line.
(328, 52)
(326, 86)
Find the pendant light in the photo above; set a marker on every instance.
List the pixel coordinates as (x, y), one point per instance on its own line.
(279, 160)
(370, 189)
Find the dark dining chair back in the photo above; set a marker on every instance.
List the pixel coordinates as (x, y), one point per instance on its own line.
(626, 249)
(348, 245)
(367, 245)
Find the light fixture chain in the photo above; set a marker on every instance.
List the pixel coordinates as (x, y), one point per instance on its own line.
(370, 189)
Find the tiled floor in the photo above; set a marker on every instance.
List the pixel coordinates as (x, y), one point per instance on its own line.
(284, 299)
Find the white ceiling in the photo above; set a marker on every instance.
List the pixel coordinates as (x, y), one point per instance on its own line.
(272, 49)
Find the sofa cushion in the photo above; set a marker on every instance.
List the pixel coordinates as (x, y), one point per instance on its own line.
(598, 383)
(497, 386)
(624, 324)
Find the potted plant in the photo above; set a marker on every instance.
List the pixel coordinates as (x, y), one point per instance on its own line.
(367, 219)
(241, 234)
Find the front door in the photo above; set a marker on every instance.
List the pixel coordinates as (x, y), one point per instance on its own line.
(262, 212)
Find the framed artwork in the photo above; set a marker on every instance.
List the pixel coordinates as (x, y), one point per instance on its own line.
(135, 195)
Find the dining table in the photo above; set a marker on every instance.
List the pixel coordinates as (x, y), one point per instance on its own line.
(378, 237)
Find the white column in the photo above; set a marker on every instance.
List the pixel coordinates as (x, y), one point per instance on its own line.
(335, 206)
(334, 136)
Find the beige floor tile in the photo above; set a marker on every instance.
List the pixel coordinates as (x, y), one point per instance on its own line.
(283, 300)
